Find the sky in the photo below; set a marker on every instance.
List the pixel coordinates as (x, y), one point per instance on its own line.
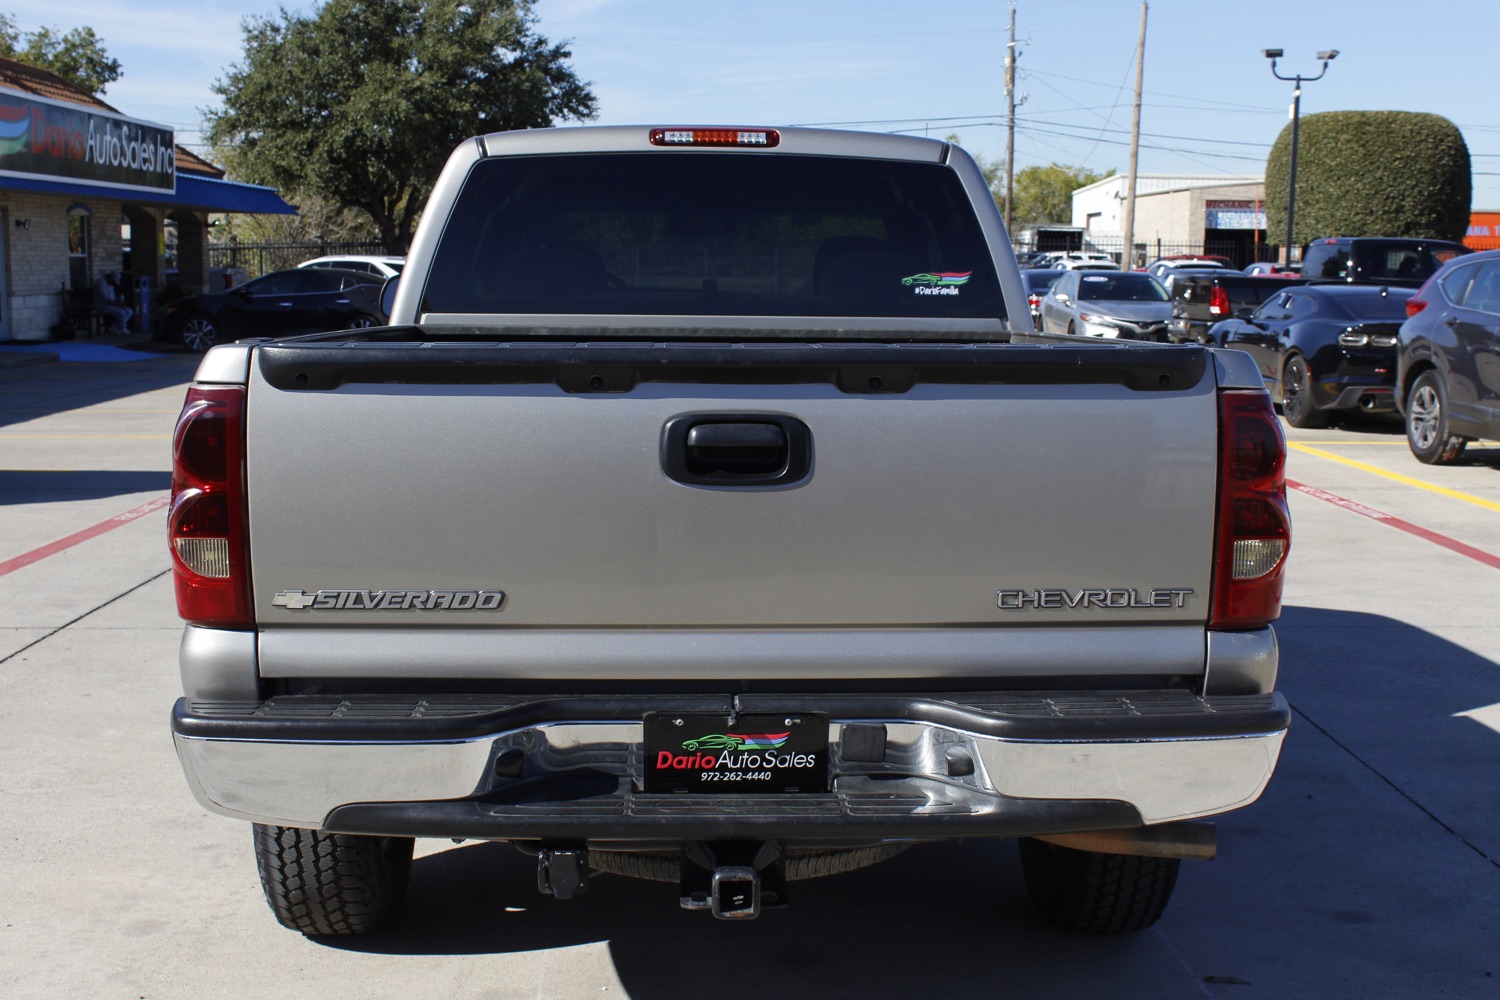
(1210, 105)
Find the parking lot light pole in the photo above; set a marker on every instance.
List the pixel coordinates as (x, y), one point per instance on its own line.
(1291, 187)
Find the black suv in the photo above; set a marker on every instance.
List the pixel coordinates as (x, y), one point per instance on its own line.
(1448, 372)
(1382, 260)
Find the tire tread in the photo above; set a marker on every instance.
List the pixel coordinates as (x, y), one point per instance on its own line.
(329, 883)
(1095, 893)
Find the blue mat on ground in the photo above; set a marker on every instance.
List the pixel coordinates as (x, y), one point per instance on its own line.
(79, 350)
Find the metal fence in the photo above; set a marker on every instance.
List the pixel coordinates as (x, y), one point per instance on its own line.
(1241, 252)
(259, 258)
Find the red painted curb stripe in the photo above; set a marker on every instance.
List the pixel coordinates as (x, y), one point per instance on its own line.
(52, 548)
(1453, 544)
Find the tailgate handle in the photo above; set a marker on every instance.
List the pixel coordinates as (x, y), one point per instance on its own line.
(740, 449)
(746, 450)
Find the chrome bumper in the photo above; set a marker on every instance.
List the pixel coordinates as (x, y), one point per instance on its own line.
(952, 766)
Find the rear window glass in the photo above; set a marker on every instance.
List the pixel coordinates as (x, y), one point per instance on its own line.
(1124, 287)
(720, 234)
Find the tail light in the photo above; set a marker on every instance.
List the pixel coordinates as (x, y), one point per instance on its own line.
(1354, 336)
(1417, 302)
(1218, 301)
(1254, 526)
(1034, 301)
(206, 519)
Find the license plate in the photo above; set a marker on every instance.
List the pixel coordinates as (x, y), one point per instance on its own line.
(748, 753)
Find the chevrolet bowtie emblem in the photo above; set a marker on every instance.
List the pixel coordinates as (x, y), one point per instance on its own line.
(294, 599)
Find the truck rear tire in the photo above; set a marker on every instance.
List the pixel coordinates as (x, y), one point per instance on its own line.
(1094, 893)
(331, 883)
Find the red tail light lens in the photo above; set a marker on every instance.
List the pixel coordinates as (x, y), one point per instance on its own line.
(1414, 305)
(1254, 526)
(206, 519)
(1218, 301)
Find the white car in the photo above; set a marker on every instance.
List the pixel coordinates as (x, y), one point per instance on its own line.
(386, 267)
(1086, 260)
(1159, 269)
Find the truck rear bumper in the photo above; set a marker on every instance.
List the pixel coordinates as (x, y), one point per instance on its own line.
(981, 764)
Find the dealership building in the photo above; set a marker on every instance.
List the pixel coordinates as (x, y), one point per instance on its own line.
(84, 190)
(1177, 213)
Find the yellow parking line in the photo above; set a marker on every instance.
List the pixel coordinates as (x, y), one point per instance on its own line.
(1398, 443)
(1355, 442)
(1397, 477)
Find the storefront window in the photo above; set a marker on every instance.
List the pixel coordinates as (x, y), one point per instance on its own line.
(78, 247)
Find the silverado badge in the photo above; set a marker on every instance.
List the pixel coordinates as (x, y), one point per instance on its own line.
(390, 600)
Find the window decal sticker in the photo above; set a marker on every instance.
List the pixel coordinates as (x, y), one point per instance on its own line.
(937, 282)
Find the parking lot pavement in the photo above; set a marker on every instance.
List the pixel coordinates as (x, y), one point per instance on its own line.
(1371, 867)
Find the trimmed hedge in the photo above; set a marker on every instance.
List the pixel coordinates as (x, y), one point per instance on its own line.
(1371, 173)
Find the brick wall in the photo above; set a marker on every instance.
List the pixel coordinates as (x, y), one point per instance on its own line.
(36, 257)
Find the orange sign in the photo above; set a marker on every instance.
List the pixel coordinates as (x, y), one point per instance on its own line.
(1484, 231)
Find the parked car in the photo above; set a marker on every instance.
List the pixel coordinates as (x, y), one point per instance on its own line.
(1202, 298)
(299, 300)
(1381, 260)
(1038, 281)
(1272, 269)
(1126, 305)
(1323, 348)
(1084, 260)
(1448, 370)
(1160, 268)
(385, 267)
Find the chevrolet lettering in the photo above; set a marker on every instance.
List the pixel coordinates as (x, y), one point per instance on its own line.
(1116, 599)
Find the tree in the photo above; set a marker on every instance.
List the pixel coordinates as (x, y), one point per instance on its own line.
(1371, 173)
(362, 101)
(1045, 194)
(78, 56)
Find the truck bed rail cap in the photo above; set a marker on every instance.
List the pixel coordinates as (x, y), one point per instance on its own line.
(227, 364)
(1236, 370)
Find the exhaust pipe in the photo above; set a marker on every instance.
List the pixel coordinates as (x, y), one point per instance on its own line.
(1197, 841)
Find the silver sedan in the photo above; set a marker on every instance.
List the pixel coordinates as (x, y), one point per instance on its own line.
(1126, 305)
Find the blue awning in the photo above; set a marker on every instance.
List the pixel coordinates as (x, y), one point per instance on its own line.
(205, 194)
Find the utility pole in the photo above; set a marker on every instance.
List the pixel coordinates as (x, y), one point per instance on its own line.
(1010, 127)
(1127, 259)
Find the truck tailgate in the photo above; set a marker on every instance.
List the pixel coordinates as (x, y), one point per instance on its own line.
(1003, 500)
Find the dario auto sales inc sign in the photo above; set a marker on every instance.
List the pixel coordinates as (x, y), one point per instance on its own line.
(51, 140)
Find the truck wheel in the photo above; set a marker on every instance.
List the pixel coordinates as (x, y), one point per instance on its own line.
(1296, 395)
(1427, 422)
(331, 883)
(1096, 893)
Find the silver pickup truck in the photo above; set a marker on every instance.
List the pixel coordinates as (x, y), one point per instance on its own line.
(702, 516)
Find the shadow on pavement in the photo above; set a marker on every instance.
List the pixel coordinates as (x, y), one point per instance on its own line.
(25, 486)
(34, 391)
(936, 921)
